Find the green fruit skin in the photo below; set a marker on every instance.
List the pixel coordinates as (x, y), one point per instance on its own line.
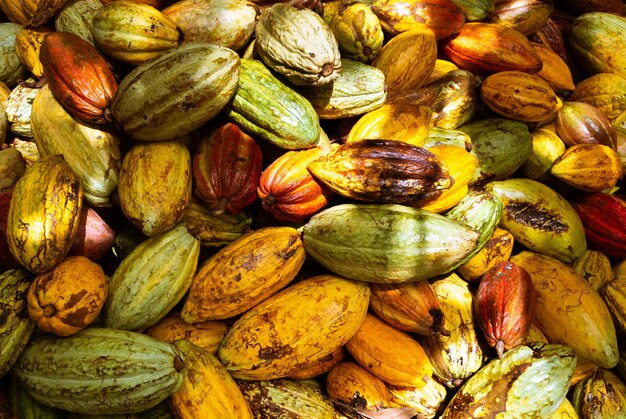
(271, 110)
(529, 381)
(100, 370)
(386, 243)
(540, 218)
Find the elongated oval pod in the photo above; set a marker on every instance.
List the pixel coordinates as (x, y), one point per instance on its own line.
(177, 92)
(44, 214)
(152, 280)
(569, 311)
(386, 242)
(100, 371)
(207, 390)
(528, 381)
(244, 273)
(283, 333)
(92, 151)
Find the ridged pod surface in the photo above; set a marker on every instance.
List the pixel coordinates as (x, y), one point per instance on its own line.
(208, 390)
(287, 398)
(16, 330)
(588, 167)
(604, 91)
(155, 208)
(100, 371)
(271, 110)
(27, 46)
(93, 152)
(244, 273)
(152, 280)
(177, 92)
(76, 16)
(281, 334)
(540, 218)
(455, 352)
(348, 378)
(297, 44)
(407, 59)
(520, 96)
(44, 214)
(207, 335)
(386, 242)
(528, 381)
(360, 88)
(569, 311)
(602, 395)
(133, 32)
(79, 77)
(358, 32)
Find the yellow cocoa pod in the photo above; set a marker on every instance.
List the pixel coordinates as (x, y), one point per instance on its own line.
(554, 70)
(319, 366)
(534, 335)
(565, 411)
(348, 378)
(309, 319)
(614, 294)
(399, 121)
(208, 391)
(442, 67)
(407, 59)
(595, 267)
(206, 335)
(244, 273)
(426, 400)
(520, 96)
(588, 167)
(547, 146)
(461, 166)
(27, 44)
(358, 32)
(569, 311)
(403, 363)
(604, 91)
(497, 249)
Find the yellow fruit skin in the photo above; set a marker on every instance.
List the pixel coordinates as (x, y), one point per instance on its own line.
(595, 267)
(555, 71)
(244, 273)
(588, 167)
(403, 363)
(207, 335)
(398, 121)
(569, 311)
(546, 148)
(208, 391)
(407, 59)
(461, 166)
(614, 294)
(309, 319)
(27, 44)
(426, 400)
(44, 213)
(347, 378)
(520, 96)
(605, 91)
(497, 249)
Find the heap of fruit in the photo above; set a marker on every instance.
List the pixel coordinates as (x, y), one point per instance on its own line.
(313, 209)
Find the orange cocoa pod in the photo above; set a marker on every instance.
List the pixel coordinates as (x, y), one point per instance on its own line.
(69, 297)
(79, 77)
(348, 380)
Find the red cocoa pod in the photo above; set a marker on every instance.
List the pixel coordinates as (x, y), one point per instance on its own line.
(604, 219)
(79, 77)
(227, 169)
(505, 305)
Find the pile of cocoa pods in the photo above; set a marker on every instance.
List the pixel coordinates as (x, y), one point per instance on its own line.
(312, 209)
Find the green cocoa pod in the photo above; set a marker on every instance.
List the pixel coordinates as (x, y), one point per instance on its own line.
(358, 32)
(481, 211)
(16, 327)
(500, 145)
(151, 280)
(176, 92)
(25, 407)
(211, 229)
(540, 218)
(100, 371)
(529, 381)
(386, 243)
(443, 136)
(360, 88)
(598, 40)
(269, 109)
(475, 10)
